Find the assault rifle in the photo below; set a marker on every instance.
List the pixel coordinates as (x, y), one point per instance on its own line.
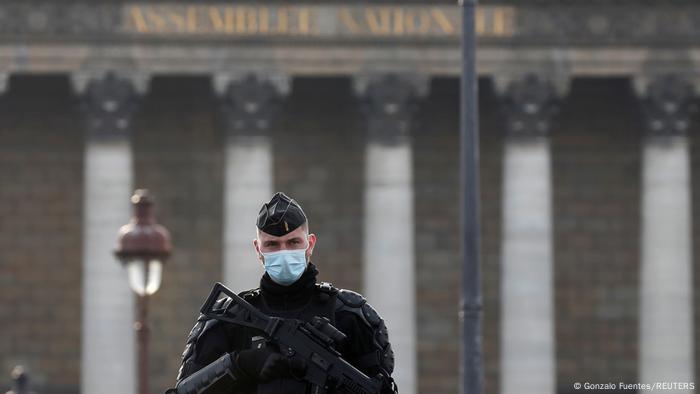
(312, 342)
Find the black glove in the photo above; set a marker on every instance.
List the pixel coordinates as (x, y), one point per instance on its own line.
(268, 363)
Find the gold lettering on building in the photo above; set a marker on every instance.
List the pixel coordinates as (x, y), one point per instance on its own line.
(504, 21)
(173, 20)
(423, 21)
(306, 20)
(240, 13)
(480, 21)
(221, 19)
(213, 20)
(378, 21)
(442, 21)
(399, 19)
(138, 20)
(499, 22)
(282, 20)
(348, 21)
(418, 22)
(264, 25)
(191, 19)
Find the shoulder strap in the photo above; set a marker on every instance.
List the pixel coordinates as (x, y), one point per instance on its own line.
(325, 298)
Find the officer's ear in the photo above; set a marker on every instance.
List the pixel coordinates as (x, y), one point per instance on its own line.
(312, 243)
(256, 246)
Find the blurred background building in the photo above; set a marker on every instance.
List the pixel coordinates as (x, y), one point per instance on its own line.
(589, 170)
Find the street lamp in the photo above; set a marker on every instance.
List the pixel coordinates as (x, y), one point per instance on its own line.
(143, 246)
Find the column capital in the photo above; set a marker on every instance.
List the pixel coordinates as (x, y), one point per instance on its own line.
(222, 81)
(667, 103)
(389, 103)
(80, 80)
(555, 71)
(250, 100)
(108, 102)
(529, 104)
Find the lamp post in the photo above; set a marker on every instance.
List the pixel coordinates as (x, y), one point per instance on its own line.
(471, 369)
(143, 246)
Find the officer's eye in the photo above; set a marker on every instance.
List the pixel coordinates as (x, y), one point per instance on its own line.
(270, 244)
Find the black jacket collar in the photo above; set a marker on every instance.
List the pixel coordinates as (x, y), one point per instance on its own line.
(293, 296)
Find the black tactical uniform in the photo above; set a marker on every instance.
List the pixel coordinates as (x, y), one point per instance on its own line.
(367, 347)
(214, 345)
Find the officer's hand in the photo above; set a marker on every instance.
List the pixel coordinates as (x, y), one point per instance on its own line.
(279, 366)
(264, 364)
(297, 367)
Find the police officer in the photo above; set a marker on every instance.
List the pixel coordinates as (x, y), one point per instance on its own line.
(221, 357)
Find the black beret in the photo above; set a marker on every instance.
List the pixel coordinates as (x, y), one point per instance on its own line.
(280, 216)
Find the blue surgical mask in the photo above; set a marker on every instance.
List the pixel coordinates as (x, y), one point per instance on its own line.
(286, 266)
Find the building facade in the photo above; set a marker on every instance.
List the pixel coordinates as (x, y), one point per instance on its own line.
(587, 182)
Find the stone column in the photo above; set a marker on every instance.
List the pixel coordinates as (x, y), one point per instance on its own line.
(666, 315)
(527, 318)
(4, 79)
(389, 255)
(108, 343)
(249, 106)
